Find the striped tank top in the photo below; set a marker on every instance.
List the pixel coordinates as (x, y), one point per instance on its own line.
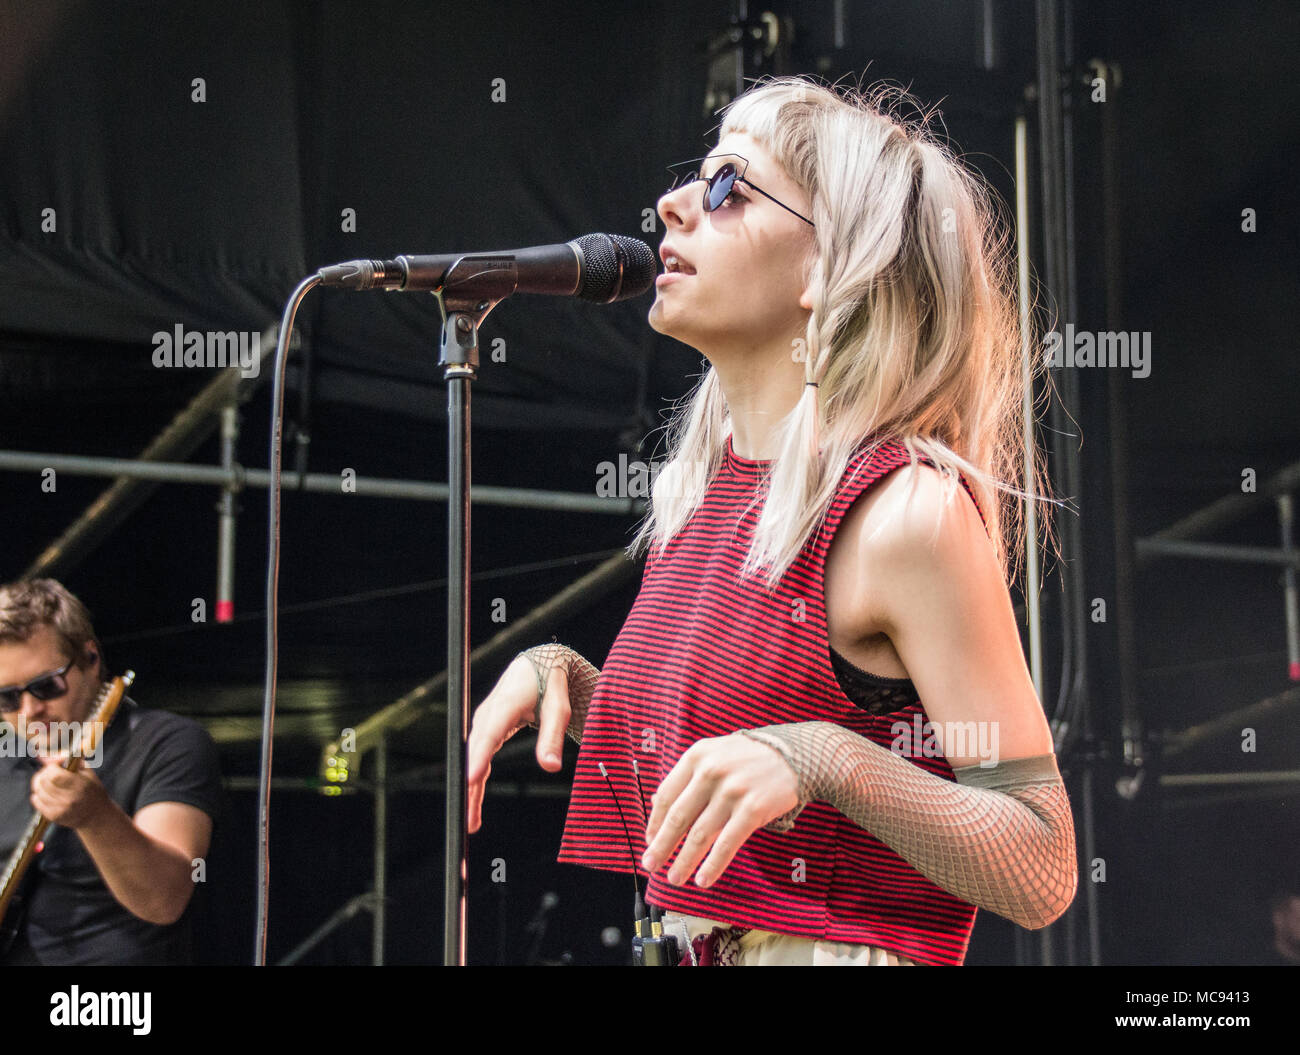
(704, 653)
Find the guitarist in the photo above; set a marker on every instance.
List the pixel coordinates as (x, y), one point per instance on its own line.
(129, 828)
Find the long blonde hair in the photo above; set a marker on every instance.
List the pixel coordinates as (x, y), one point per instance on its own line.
(914, 333)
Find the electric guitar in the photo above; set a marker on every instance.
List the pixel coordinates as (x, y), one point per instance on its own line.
(11, 900)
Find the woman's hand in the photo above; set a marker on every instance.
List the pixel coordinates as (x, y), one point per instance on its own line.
(509, 707)
(721, 792)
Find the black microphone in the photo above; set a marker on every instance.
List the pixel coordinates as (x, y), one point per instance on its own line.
(599, 267)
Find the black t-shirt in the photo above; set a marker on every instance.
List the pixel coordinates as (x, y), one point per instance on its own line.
(72, 918)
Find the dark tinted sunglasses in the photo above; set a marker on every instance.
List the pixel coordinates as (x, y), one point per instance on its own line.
(724, 179)
(46, 687)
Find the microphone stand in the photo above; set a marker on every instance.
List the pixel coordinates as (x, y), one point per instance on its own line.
(467, 290)
(470, 291)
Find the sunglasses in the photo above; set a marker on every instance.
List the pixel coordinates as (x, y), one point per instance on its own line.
(722, 182)
(46, 687)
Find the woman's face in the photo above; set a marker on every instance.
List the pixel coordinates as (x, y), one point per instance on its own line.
(741, 267)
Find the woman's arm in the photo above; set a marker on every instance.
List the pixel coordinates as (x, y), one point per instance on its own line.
(1001, 838)
(548, 687)
(912, 562)
(581, 676)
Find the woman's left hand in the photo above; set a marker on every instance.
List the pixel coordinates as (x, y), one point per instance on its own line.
(721, 791)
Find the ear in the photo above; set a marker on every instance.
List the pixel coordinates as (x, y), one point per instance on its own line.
(810, 262)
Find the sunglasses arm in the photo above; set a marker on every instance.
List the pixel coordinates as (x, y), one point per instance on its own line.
(780, 203)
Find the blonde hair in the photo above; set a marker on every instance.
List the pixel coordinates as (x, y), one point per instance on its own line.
(914, 333)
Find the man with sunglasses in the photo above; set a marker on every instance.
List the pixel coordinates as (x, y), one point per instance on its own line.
(114, 880)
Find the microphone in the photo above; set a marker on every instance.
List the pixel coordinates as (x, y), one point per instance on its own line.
(598, 267)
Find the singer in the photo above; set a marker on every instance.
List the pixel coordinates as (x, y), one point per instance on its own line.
(839, 753)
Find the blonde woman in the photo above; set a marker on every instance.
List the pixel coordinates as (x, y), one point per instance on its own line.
(817, 719)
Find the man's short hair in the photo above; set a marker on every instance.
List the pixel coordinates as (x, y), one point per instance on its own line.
(27, 606)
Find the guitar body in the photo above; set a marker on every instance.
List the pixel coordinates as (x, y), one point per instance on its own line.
(17, 880)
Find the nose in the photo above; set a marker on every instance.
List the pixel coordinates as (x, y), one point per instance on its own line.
(673, 207)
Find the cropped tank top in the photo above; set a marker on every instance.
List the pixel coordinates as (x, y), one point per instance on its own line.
(704, 653)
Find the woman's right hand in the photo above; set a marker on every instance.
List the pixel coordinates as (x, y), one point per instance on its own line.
(509, 707)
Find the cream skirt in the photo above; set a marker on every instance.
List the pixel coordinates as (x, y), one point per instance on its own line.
(761, 948)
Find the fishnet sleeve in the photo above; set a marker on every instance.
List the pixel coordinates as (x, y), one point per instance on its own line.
(582, 677)
(1001, 838)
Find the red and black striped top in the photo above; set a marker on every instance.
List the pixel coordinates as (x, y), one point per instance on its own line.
(704, 653)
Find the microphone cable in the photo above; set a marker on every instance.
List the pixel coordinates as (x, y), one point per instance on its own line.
(272, 620)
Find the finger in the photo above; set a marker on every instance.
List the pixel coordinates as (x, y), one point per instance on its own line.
(58, 777)
(490, 729)
(673, 785)
(507, 709)
(42, 801)
(677, 821)
(554, 721)
(474, 802)
(704, 832)
(739, 827)
(43, 778)
(54, 780)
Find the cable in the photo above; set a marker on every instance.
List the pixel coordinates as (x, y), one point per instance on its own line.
(272, 627)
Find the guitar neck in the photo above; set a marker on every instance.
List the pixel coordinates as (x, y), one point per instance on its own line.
(20, 860)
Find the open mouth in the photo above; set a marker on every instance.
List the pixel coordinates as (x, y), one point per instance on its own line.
(675, 265)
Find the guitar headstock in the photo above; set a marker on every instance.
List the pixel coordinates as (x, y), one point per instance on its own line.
(106, 704)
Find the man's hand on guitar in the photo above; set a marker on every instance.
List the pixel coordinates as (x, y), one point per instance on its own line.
(66, 798)
(509, 707)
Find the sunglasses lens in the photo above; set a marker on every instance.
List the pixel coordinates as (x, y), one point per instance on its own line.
(720, 187)
(50, 688)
